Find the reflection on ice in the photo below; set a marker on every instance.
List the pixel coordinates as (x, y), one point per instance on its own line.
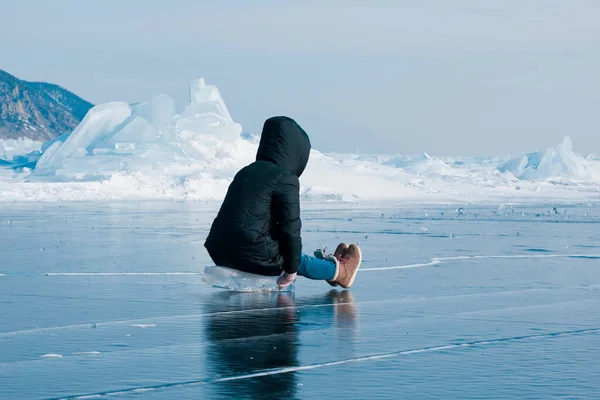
(267, 338)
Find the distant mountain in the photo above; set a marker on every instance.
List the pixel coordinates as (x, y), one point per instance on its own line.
(37, 110)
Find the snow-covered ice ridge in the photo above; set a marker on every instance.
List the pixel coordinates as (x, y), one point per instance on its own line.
(147, 150)
(9, 148)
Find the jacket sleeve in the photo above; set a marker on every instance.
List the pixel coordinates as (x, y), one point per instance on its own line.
(286, 212)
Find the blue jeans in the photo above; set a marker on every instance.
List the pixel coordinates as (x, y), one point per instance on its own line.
(314, 268)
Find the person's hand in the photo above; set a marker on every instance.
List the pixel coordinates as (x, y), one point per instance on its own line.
(286, 280)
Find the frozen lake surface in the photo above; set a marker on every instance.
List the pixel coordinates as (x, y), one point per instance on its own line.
(105, 300)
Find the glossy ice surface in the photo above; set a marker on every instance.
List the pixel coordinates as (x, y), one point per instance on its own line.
(106, 300)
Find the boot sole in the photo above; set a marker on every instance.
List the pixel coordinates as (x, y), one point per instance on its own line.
(356, 270)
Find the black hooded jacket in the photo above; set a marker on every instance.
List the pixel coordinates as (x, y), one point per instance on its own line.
(257, 229)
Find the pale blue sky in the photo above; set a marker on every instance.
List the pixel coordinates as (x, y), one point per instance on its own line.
(463, 77)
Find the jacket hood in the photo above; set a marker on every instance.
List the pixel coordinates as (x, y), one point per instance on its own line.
(284, 143)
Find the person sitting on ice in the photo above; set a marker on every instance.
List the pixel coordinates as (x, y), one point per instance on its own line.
(257, 228)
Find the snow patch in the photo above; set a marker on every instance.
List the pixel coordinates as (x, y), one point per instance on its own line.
(51, 355)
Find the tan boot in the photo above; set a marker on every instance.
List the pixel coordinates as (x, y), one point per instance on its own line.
(339, 252)
(347, 266)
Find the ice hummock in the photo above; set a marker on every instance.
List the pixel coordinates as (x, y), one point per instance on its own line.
(147, 137)
(421, 164)
(554, 163)
(149, 150)
(15, 148)
(239, 281)
(207, 112)
(100, 124)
